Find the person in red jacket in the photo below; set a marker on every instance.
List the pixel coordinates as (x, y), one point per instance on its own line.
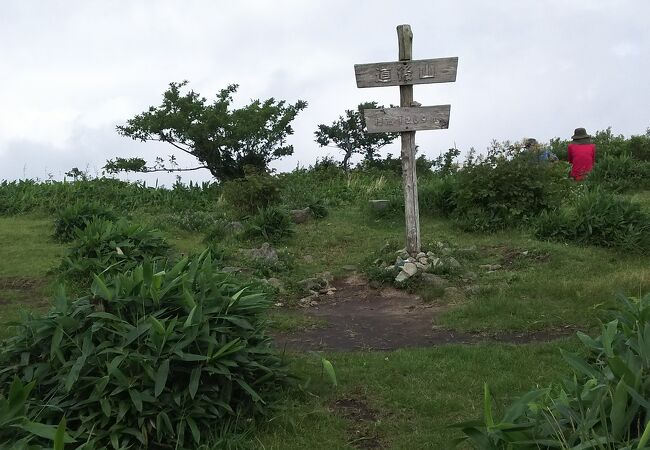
(581, 154)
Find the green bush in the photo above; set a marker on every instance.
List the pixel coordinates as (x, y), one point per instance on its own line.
(604, 405)
(598, 218)
(505, 189)
(111, 247)
(438, 195)
(252, 192)
(619, 173)
(78, 216)
(272, 224)
(158, 357)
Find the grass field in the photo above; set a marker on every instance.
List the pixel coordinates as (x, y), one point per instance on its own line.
(404, 399)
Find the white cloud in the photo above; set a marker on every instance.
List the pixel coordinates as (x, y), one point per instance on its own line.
(72, 70)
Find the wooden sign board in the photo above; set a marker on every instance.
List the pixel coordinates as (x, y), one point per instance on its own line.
(389, 120)
(404, 73)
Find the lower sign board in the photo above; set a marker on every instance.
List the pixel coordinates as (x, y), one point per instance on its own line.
(390, 120)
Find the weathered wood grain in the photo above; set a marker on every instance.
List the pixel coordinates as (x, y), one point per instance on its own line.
(403, 73)
(409, 177)
(417, 118)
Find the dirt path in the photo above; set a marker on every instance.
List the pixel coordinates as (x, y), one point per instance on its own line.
(361, 318)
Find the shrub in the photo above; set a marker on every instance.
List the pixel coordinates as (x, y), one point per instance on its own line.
(438, 196)
(318, 208)
(110, 247)
(598, 218)
(254, 191)
(272, 224)
(620, 173)
(78, 216)
(505, 189)
(152, 359)
(602, 406)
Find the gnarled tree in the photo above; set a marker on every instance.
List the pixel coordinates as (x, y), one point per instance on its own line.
(350, 135)
(223, 139)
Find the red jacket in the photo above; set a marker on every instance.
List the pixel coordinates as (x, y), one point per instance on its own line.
(582, 158)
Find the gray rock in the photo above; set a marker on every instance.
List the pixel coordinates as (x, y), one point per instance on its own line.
(275, 282)
(312, 284)
(379, 205)
(265, 253)
(410, 269)
(423, 260)
(472, 289)
(327, 276)
(451, 263)
(235, 227)
(401, 277)
(431, 255)
(399, 262)
(434, 281)
(421, 255)
(300, 215)
(411, 259)
(471, 276)
(422, 267)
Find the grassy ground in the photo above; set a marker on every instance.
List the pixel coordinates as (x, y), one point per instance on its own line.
(404, 399)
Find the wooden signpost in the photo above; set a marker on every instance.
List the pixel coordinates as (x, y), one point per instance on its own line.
(410, 116)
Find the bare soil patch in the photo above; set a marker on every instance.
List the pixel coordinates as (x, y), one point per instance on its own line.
(27, 291)
(359, 317)
(361, 417)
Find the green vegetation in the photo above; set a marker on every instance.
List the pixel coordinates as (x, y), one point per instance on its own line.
(224, 140)
(541, 255)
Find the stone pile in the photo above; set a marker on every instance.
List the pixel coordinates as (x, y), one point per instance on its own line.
(409, 266)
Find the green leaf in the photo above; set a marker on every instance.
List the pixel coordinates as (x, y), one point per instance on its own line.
(59, 437)
(618, 411)
(99, 289)
(329, 370)
(161, 377)
(487, 406)
(194, 429)
(136, 398)
(74, 372)
(49, 432)
(106, 406)
(194, 381)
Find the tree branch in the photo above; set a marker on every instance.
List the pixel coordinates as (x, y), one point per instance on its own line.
(148, 170)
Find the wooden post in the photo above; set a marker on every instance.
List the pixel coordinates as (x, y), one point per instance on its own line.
(409, 176)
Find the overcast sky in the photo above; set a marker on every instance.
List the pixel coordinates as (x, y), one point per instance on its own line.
(72, 70)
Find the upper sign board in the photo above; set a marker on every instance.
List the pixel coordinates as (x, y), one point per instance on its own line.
(400, 73)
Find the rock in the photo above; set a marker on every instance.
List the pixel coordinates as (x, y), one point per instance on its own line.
(265, 253)
(490, 267)
(275, 282)
(423, 260)
(399, 262)
(235, 227)
(431, 255)
(410, 269)
(434, 281)
(312, 284)
(421, 255)
(472, 289)
(350, 268)
(436, 262)
(279, 304)
(379, 205)
(453, 294)
(308, 301)
(471, 276)
(308, 259)
(300, 215)
(422, 267)
(411, 259)
(401, 277)
(327, 276)
(451, 263)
